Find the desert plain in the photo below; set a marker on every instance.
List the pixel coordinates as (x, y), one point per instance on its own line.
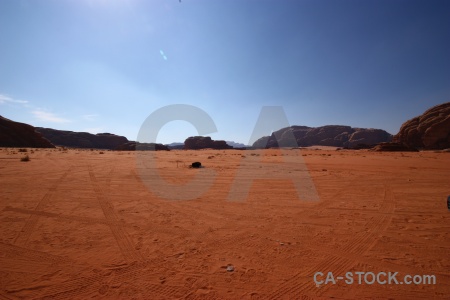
(80, 224)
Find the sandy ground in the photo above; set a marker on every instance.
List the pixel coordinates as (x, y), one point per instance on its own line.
(84, 224)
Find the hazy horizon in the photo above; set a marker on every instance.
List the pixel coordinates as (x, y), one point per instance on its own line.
(103, 66)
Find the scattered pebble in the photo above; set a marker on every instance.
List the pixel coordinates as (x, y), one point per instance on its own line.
(230, 268)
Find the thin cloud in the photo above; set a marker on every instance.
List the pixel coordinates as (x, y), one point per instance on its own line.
(90, 117)
(5, 99)
(48, 116)
(39, 113)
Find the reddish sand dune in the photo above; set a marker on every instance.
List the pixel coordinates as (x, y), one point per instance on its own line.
(83, 224)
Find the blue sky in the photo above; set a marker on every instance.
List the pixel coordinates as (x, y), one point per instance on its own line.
(104, 66)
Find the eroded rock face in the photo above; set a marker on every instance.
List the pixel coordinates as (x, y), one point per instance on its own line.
(431, 130)
(364, 136)
(203, 142)
(330, 135)
(82, 139)
(15, 134)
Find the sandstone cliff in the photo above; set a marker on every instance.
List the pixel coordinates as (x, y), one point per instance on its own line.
(15, 134)
(330, 135)
(82, 139)
(431, 130)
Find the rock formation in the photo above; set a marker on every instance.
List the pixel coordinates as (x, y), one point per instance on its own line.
(392, 147)
(82, 139)
(330, 135)
(15, 134)
(431, 130)
(203, 142)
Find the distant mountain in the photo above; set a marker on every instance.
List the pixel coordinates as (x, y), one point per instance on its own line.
(330, 135)
(132, 146)
(236, 145)
(82, 139)
(15, 134)
(431, 130)
(175, 145)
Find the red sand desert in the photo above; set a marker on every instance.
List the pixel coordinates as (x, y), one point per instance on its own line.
(83, 224)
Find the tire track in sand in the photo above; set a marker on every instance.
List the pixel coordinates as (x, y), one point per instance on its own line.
(81, 219)
(339, 264)
(89, 285)
(76, 287)
(10, 250)
(123, 240)
(136, 268)
(23, 236)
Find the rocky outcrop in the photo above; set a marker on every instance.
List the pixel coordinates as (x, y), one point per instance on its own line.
(392, 147)
(204, 142)
(330, 135)
(82, 139)
(368, 136)
(15, 134)
(131, 146)
(431, 130)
